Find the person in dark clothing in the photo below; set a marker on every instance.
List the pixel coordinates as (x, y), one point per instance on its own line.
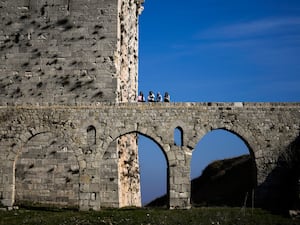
(167, 97)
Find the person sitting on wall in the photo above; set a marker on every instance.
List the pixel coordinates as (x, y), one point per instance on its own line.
(158, 97)
(167, 97)
(151, 97)
(141, 97)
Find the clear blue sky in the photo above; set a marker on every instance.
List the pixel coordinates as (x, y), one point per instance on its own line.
(219, 51)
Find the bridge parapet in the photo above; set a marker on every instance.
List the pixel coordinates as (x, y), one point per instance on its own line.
(268, 129)
(219, 105)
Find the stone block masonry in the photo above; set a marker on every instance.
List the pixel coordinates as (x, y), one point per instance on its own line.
(68, 72)
(57, 46)
(68, 51)
(61, 155)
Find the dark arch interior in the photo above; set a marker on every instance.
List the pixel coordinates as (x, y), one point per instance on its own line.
(91, 135)
(178, 136)
(223, 171)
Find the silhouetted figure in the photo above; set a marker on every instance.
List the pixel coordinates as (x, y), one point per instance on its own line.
(167, 97)
(141, 97)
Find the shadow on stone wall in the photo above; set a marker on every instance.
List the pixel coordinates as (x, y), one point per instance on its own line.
(47, 173)
(281, 190)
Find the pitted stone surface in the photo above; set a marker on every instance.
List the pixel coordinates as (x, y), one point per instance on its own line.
(69, 52)
(60, 144)
(267, 129)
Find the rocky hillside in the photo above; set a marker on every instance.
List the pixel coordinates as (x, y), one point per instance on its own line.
(223, 182)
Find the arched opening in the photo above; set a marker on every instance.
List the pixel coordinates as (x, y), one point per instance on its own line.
(134, 172)
(222, 171)
(178, 136)
(154, 173)
(91, 135)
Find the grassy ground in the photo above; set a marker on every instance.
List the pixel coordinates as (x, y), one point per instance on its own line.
(199, 216)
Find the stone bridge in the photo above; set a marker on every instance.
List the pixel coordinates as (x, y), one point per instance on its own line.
(74, 166)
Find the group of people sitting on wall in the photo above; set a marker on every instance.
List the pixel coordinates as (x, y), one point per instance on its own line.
(151, 97)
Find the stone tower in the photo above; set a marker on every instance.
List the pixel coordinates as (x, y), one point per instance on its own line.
(71, 53)
(68, 51)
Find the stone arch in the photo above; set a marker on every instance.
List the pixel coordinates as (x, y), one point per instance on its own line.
(110, 174)
(237, 129)
(183, 129)
(85, 125)
(243, 160)
(246, 137)
(151, 137)
(47, 170)
(17, 141)
(241, 137)
(178, 134)
(31, 133)
(114, 135)
(154, 173)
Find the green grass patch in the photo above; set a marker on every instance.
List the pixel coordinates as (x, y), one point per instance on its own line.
(199, 216)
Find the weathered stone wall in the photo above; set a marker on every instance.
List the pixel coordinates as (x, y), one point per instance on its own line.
(127, 52)
(47, 172)
(58, 60)
(127, 65)
(268, 129)
(68, 51)
(129, 174)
